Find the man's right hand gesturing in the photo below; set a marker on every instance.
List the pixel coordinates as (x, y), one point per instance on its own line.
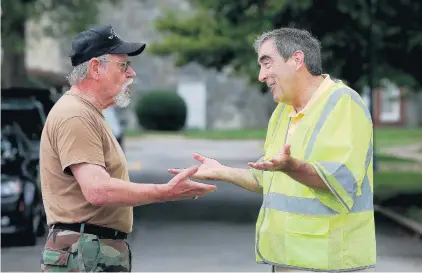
(209, 169)
(181, 187)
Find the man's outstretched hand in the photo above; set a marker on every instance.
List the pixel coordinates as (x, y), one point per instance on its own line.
(181, 187)
(208, 170)
(281, 162)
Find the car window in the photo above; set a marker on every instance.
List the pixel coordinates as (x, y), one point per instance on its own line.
(111, 118)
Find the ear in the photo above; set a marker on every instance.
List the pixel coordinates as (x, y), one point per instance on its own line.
(299, 59)
(94, 68)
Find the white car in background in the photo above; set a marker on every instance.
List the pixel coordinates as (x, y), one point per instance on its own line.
(112, 118)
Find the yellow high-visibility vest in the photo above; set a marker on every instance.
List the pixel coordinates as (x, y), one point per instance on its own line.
(315, 229)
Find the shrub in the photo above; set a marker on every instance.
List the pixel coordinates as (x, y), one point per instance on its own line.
(161, 111)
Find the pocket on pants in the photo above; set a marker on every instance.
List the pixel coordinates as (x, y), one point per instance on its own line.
(115, 256)
(130, 256)
(88, 252)
(54, 258)
(57, 254)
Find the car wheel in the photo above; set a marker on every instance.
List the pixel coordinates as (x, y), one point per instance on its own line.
(29, 236)
(42, 228)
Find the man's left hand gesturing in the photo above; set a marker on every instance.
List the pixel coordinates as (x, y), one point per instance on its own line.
(281, 162)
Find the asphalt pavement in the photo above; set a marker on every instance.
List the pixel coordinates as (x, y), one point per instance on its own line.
(212, 234)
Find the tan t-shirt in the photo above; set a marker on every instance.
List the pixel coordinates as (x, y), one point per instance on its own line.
(76, 132)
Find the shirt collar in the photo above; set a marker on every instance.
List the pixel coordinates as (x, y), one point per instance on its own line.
(326, 83)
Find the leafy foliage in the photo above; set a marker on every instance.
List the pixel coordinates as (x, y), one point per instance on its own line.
(65, 17)
(220, 35)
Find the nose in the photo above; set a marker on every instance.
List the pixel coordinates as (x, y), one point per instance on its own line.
(262, 77)
(130, 73)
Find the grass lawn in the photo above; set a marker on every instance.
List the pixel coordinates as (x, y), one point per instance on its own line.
(388, 183)
(388, 137)
(213, 134)
(398, 176)
(227, 134)
(384, 137)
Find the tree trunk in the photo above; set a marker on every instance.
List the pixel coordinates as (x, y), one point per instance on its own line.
(13, 67)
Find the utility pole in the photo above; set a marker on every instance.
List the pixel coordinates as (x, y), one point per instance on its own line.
(371, 60)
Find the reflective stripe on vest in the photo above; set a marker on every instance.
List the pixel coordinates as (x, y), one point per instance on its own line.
(301, 205)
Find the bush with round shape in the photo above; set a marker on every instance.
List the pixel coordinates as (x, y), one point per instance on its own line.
(161, 111)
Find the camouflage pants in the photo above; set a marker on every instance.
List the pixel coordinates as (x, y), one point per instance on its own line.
(68, 251)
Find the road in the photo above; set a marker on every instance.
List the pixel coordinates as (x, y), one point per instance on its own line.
(214, 233)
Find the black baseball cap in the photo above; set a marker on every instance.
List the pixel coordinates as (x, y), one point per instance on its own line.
(98, 41)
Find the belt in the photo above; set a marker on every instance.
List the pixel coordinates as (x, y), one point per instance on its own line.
(101, 232)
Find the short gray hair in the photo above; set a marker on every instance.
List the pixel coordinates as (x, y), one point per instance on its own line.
(288, 40)
(80, 71)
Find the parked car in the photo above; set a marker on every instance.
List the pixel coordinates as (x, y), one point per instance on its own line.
(111, 116)
(23, 113)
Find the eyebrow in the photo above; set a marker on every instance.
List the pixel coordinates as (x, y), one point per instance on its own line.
(264, 58)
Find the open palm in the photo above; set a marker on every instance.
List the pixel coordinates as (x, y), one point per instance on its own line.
(280, 162)
(181, 187)
(206, 171)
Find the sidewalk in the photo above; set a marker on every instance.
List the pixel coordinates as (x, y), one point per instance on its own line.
(413, 152)
(180, 147)
(174, 146)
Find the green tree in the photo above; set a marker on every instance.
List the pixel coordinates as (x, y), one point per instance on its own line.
(220, 33)
(67, 17)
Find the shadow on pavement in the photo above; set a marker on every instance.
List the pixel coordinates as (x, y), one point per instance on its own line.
(200, 210)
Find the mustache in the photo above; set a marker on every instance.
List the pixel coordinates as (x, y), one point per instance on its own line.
(127, 83)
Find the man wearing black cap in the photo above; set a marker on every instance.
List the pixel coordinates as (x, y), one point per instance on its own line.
(87, 194)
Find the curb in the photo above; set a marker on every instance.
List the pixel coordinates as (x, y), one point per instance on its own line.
(404, 221)
(412, 152)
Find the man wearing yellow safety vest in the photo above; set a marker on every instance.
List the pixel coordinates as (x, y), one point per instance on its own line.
(316, 175)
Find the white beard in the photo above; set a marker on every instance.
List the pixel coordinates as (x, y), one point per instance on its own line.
(122, 99)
